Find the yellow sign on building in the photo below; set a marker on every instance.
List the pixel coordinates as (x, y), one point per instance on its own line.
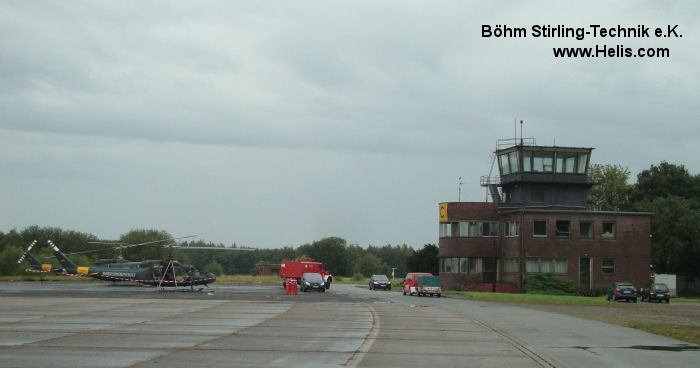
(443, 212)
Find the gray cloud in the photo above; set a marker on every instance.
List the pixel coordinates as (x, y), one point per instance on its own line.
(276, 123)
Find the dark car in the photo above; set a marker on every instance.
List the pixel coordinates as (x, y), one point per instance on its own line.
(622, 290)
(312, 281)
(379, 282)
(658, 292)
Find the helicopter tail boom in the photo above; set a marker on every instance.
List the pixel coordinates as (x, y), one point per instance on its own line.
(67, 263)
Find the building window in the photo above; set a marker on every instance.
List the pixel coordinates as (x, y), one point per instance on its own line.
(582, 158)
(507, 196)
(563, 228)
(537, 196)
(467, 265)
(511, 228)
(469, 228)
(608, 266)
(458, 265)
(445, 229)
(462, 229)
(546, 265)
(512, 264)
(608, 230)
(561, 265)
(489, 229)
(473, 229)
(539, 228)
(542, 161)
(452, 265)
(527, 156)
(514, 162)
(532, 265)
(566, 162)
(585, 229)
(505, 168)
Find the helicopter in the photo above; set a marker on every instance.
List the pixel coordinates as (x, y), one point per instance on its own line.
(161, 273)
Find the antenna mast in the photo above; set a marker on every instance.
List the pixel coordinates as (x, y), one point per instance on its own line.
(459, 192)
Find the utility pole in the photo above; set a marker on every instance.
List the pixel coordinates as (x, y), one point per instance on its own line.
(459, 192)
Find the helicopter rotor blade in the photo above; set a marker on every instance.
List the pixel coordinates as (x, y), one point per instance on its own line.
(158, 241)
(89, 251)
(26, 251)
(209, 248)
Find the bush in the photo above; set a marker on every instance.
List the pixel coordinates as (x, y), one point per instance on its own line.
(8, 261)
(215, 268)
(546, 284)
(357, 277)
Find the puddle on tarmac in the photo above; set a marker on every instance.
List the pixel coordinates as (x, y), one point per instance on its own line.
(664, 348)
(649, 347)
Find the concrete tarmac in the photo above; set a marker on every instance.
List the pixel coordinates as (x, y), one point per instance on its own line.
(99, 325)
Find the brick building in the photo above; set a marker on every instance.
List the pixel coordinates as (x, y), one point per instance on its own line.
(538, 223)
(269, 269)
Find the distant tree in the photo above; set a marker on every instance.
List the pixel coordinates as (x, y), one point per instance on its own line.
(150, 251)
(8, 261)
(667, 180)
(424, 260)
(330, 251)
(369, 265)
(12, 238)
(393, 256)
(214, 268)
(353, 254)
(67, 240)
(672, 194)
(611, 191)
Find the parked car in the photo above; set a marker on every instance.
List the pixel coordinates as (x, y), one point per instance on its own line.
(312, 281)
(658, 292)
(379, 282)
(409, 283)
(622, 290)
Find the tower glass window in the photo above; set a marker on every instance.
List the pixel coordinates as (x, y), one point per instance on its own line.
(542, 161)
(505, 166)
(527, 165)
(582, 158)
(514, 162)
(566, 162)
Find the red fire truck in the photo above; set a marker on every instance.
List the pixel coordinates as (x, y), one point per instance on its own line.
(294, 270)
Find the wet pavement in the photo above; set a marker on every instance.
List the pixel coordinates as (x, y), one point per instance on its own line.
(100, 325)
(94, 325)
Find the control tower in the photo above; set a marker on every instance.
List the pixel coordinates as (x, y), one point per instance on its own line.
(539, 177)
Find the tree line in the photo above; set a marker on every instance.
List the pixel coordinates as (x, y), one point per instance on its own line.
(342, 259)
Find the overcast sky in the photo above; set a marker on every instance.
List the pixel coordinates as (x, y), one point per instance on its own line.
(275, 123)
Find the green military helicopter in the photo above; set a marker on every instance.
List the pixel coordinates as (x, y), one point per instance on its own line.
(161, 273)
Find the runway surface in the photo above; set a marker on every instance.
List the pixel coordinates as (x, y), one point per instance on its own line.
(98, 325)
